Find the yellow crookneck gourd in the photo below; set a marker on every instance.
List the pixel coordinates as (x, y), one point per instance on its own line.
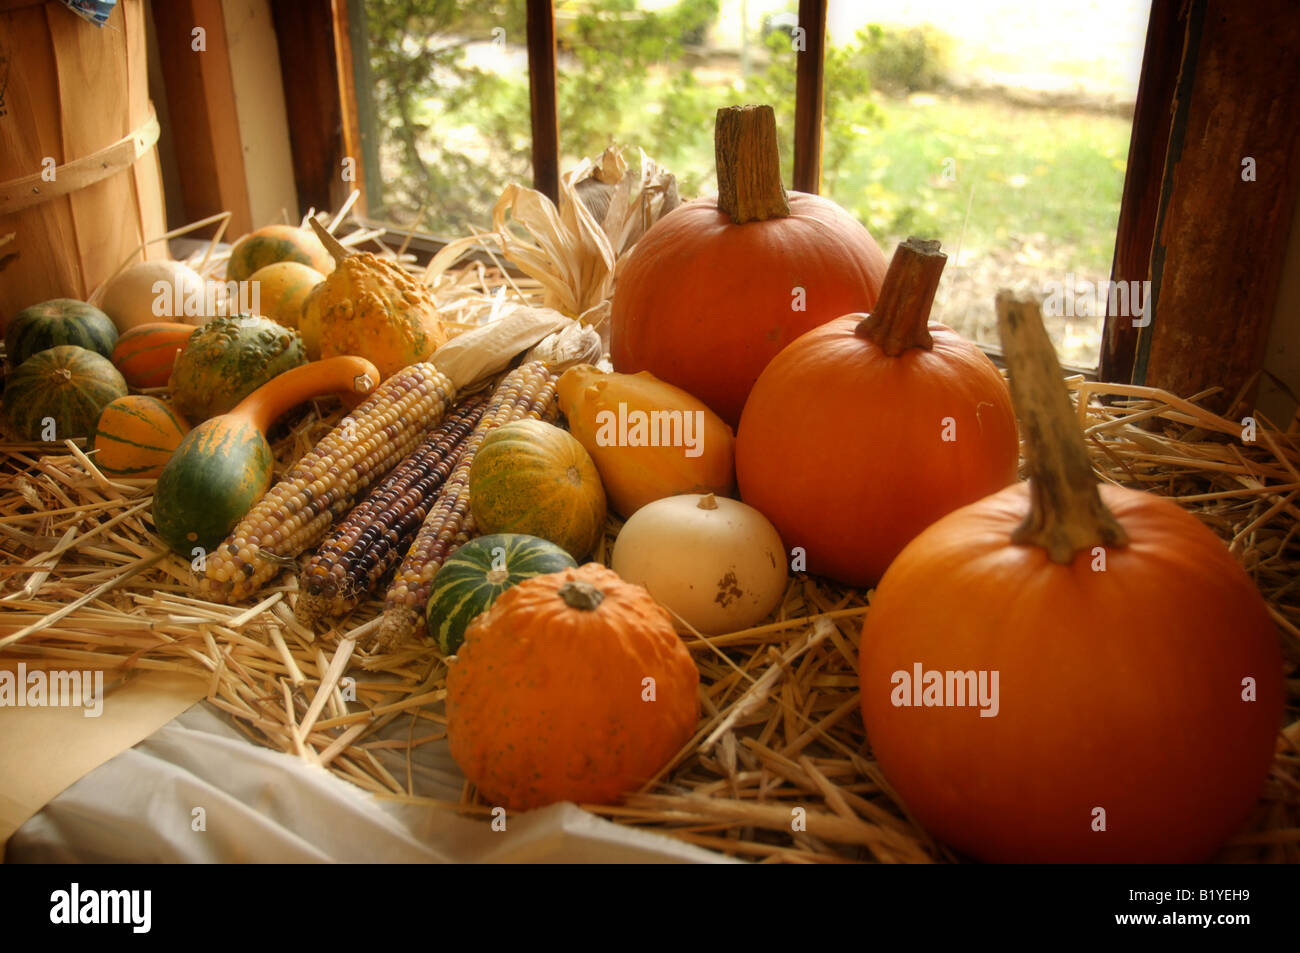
(648, 439)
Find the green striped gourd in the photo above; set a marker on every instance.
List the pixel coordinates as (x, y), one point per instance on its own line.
(474, 575)
(60, 392)
(60, 321)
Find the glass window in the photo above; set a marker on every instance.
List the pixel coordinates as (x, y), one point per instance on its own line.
(1000, 128)
(442, 92)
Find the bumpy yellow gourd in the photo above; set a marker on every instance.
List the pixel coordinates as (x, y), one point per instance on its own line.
(372, 308)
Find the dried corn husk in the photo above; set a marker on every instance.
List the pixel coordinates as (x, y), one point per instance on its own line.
(634, 201)
(567, 250)
(573, 344)
(477, 354)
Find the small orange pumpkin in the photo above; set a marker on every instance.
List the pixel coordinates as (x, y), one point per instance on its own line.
(1083, 660)
(572, 687)
(718, 286)
(909, 420)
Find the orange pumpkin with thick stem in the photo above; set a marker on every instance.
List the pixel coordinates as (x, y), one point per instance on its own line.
(717, 287)
(572, 687)
(909, 419)
(1139, 676)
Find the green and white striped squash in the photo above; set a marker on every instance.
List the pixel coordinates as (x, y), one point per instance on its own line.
(474, 575)
(53, 323)
(59, 393)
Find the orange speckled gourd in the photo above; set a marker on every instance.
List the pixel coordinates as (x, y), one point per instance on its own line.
(548, 701)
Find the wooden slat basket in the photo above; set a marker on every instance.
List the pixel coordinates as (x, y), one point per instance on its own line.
(80, 182)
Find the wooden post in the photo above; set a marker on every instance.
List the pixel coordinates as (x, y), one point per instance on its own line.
(1230, 185)
(541, 91)
(201, 104)
(809, 97)
(1148, 143)
(309, 73)
(354, 146)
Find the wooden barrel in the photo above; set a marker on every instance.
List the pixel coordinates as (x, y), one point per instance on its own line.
(80, 184)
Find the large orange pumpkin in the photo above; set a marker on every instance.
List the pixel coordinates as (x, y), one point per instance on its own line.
(572, 687)
(866, 430)
(1139, 676)
(717, 287)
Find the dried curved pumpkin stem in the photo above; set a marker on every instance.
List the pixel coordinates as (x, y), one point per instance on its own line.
(332, 245)
(749, 164)
(1066, 514)
(901, 317)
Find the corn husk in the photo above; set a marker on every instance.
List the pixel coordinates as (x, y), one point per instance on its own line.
(571, 254)
(475, 355)
(573, 344)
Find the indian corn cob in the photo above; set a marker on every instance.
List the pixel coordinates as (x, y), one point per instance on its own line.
(375, 535)
(527, 391)
(297, 512)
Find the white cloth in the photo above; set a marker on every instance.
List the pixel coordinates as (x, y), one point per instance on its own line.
(263, 806)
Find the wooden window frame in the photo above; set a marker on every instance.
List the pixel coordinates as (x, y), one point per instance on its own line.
(1163, 212)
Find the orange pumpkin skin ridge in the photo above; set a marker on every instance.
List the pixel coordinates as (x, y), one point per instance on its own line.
(685, 281)
(879, 485)
(544, 702)
(1119, 689)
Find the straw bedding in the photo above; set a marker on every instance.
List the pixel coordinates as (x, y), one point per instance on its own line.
(84, 581)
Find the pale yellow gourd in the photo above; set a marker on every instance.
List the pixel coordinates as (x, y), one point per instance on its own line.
(716, 563)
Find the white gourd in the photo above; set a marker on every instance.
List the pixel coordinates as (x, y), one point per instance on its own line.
(716, 562)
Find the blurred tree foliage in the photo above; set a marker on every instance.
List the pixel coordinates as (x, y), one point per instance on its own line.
(453, 131)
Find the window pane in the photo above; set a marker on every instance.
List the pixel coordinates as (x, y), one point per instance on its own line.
(443, 93)
(445, 107)
(1002, 129)
(653, 73)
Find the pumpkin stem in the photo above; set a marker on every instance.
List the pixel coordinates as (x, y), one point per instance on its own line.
(581, 595)
(1066, 514)
(901, 317)
(749, 164)
(707, 502)
(332, 244)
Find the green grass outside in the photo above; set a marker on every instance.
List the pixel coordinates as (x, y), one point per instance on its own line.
(1034, 172)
